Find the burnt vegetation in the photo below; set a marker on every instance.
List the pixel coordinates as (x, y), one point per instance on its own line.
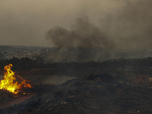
(92, 94)
(112, 86)
(28, 63)
(119, 86)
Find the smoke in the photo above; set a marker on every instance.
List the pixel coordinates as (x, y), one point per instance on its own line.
(131, 26)
(84, 42)
(120, 32)
(126, 22)
(83, 34)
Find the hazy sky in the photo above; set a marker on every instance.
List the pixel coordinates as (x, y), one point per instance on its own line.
(25, 22)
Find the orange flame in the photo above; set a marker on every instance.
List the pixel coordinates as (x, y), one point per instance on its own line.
(12, 82)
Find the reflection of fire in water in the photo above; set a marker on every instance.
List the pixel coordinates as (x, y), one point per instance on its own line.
(11, 82)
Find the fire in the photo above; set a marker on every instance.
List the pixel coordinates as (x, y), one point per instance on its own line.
(13, 83)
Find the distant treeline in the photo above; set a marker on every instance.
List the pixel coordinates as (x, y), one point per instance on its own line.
(7, 48)
(21, 64)
(27, 63)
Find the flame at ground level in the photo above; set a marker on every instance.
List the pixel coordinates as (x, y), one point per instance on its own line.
(11, 82)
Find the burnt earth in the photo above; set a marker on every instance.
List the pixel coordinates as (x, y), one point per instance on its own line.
(5, 96)
(92, 94)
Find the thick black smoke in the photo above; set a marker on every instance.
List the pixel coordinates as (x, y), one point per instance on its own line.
(123, 32)
(84, 42)
(83, 34)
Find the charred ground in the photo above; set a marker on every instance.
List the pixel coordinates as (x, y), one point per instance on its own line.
(113, 86)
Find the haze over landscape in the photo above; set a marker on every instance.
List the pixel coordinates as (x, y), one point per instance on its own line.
(75, 57)
(126, 23)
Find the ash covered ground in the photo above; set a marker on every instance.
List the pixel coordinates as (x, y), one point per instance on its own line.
(89, 88)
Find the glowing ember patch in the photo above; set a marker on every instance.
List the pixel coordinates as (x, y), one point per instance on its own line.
(12, 82)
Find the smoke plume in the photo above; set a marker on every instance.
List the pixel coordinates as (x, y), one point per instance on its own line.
(83, 34)
(84, 42)
(124, 30)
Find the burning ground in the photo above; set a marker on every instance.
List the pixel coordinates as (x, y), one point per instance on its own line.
(114, 86)
(13, 83)
(98, 93)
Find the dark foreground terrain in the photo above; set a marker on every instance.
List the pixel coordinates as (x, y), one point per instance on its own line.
(122, 86)
(91, 94)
